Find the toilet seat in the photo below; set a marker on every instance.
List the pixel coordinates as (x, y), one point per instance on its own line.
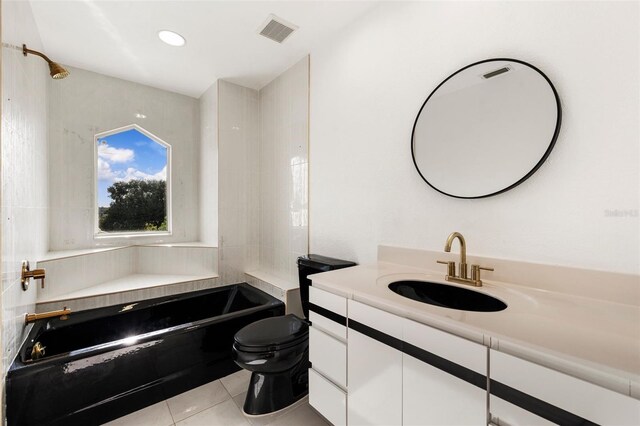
(272, 334)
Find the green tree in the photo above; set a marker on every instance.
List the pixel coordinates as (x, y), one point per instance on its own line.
(137, 205)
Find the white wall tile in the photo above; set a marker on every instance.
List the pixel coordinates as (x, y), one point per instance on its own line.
(66, 275)
(176, 260)
(239, 133)
(129, 296)
(24, 154)
(283, 171)
(209, 166)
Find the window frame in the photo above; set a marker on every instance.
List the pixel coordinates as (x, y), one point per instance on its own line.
(99, 234)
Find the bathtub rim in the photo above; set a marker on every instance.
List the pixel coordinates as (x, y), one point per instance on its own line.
(20, 362)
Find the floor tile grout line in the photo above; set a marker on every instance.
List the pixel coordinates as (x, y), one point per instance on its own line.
(207, 408)
(166, 401)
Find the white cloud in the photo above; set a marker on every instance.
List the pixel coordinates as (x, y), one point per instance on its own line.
(104, 170)
(115, 155)
(135, 174)
(162, 174)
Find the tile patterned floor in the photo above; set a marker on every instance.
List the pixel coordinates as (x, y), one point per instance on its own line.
(216, 403)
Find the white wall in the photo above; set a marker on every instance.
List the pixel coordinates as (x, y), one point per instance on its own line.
(238, 174)
(284, 163)
(24, 169)
(368, 84)
(209, 166)
(86, 103)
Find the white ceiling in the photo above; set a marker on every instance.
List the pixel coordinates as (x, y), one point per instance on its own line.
(119, 38)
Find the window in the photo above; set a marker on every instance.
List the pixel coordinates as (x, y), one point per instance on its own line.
(132, 182)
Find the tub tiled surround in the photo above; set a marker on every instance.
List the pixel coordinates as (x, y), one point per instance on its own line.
(239, 148)
(130, 289)
(24, 167)
(96, 276)
(209, 166)
(281, 289)
(86, 103)
(284, 163)
(263, 190)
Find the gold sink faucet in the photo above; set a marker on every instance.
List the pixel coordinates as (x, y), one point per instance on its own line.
(462, 277)
(463, 252)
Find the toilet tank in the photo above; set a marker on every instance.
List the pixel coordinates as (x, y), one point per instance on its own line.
(314, 264)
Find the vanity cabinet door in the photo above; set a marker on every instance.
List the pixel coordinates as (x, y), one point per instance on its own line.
(554, 396)
(443, 378)
(374, 373)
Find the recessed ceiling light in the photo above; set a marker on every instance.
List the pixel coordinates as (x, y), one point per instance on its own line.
(171, 38)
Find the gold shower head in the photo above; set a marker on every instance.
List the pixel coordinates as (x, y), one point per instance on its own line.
(56, 70)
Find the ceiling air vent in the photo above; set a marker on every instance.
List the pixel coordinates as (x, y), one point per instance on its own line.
(277, 29)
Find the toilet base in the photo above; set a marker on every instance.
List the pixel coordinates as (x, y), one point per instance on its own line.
(271, 417)
(272, 392)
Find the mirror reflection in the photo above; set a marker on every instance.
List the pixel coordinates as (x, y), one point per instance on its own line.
(486, 128)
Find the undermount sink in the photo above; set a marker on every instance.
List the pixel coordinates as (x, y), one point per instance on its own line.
(447, 296)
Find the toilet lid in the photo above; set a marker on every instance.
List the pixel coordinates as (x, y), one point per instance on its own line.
(272, 332)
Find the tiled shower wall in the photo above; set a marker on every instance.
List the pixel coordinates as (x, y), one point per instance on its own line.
(209, 166)
(24, 168)
(263, 168)
(238, 180)
(284, 163)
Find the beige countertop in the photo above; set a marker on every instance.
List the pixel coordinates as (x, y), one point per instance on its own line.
(592, 339)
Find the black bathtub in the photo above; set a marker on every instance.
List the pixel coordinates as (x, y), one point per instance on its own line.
(104, 363)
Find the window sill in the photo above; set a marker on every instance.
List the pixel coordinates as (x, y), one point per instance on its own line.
(130, 235)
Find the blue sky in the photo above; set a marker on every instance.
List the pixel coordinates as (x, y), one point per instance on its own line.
(126, 156)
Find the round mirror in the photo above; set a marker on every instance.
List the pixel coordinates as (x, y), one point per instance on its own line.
(486, 128)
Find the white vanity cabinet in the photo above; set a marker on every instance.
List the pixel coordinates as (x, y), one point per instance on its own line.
(371, 367)
(374, 367)
(328, 355)
(444, 378)
(524, 393)
(401, 372)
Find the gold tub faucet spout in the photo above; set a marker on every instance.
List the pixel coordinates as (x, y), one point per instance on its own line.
(63, 315)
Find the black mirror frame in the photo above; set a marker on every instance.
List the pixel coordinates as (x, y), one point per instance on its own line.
(554, 138)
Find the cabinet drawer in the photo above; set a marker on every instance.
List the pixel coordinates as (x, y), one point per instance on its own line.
(504, 413)
(330, 327)
(329, 301)
(328, 312)
(327, 398)
(328, 356)
(375, 318)
(572, 396)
